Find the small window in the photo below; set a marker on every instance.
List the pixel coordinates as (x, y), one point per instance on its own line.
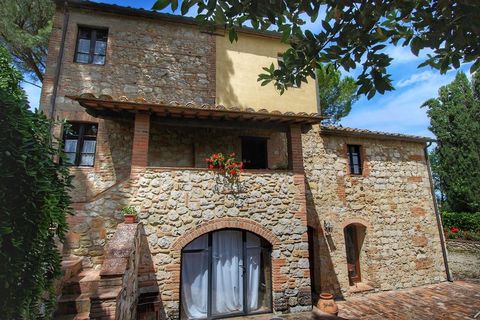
(254, 153)
(91, 45)
(80, 141)
(354, 159)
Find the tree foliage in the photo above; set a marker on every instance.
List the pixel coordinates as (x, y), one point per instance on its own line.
(353, 33)
(34, 201)
(336, 95)
(25, 26)
(455, 120)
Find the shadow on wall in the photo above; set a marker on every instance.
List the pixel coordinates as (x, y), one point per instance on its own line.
(127, 288)
(324, 276)
(90, 226)
(150, 305)
(223, 78)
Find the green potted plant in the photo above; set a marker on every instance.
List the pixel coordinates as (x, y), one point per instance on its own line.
(129, 214)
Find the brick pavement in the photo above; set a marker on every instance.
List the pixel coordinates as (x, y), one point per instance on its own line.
(457, 300)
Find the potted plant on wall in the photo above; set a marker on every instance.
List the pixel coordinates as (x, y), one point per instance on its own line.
(227, 167)
(129, 214)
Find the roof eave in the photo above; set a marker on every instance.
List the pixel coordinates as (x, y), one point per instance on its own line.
(373, 135)
(201, 112)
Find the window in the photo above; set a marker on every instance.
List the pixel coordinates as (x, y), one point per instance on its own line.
(80, 140)
(91, 45)
(355, 161)
(254, 153)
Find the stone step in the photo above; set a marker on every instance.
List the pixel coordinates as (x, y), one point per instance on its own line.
(73, 304)
(86, 281)
(71, 266)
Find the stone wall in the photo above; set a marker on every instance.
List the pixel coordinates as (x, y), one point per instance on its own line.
(188, 147)
(176, 205)
(147, 58)
(392, 199)
(113, 156)
(463, 245)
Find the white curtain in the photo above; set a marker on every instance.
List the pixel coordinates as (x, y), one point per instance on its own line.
(195, 279)
(227, 272)
(88, 153)
(253, 266)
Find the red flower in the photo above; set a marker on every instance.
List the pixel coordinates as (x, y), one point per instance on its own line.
(454, 229)
(210, 166)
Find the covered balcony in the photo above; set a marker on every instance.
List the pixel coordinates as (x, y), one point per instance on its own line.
(180, 137)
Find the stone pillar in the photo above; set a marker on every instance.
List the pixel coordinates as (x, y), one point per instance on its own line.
(295, 154)
(141, 136)
(295, 158)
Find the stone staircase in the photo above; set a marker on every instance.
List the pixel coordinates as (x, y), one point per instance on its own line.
(110, 292)
(77, 288)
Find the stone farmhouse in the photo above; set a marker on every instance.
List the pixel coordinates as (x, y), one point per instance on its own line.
(148, 97)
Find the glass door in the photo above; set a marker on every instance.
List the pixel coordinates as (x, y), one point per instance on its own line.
(225, 273)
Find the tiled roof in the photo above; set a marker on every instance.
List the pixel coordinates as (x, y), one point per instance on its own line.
(338, 130)
(190, 109)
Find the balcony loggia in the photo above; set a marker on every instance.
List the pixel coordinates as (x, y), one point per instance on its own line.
(179, 137)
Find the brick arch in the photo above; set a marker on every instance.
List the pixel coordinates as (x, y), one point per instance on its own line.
(360, 221)
(225, 223)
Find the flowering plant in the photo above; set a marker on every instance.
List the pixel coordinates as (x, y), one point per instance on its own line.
(226, 164)
(454, 230)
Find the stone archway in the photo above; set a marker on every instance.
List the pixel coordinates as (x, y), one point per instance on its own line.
(277, 261)
(226, 223)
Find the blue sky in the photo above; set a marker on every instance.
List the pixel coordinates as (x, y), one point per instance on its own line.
(395, 111)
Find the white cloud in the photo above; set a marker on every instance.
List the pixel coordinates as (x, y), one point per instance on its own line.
(414, 78)
(399, 111)
(401, 55)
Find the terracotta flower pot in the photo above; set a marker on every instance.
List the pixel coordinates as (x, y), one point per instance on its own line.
(327, 304)
(130, 218)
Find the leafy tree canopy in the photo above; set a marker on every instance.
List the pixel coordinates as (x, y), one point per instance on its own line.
(25, 26)
(34, 201)
(336, 95)
(455, 120)
(354, 33)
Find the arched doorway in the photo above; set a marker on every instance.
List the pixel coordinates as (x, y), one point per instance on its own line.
(354, 237)
(226, 273)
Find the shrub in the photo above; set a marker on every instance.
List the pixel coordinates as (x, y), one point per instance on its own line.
(463, 220)
(34, 202)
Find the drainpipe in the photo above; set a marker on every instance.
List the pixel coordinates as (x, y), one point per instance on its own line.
(66, 17)
(437, 215)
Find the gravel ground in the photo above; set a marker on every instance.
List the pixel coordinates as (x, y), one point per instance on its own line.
(464, 264)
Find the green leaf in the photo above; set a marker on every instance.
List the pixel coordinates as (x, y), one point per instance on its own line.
(160, 4)
(232, 35)
(186, 4)
(475, 66)
(174, 5)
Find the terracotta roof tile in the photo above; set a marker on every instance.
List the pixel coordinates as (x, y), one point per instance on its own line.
(339, 130)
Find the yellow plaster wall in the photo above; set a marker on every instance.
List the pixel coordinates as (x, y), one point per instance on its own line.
(238, 65)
